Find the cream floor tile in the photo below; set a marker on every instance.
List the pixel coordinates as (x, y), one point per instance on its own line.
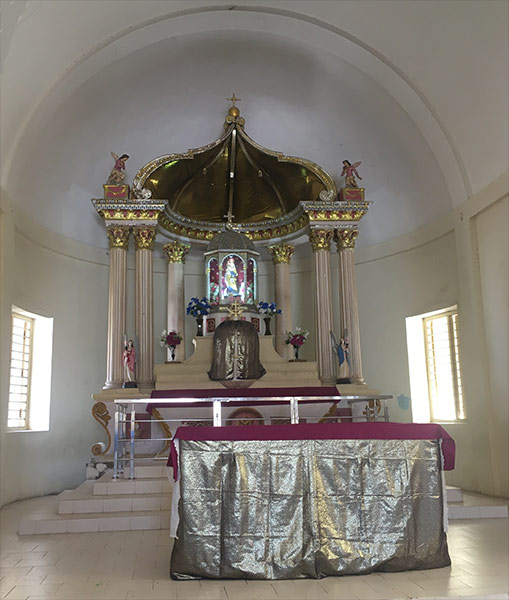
(21, 592)
(14, 571)
(478, 550)
(261, 590)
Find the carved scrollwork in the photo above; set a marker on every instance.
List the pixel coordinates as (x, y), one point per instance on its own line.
(372, 409)
(102, 416)
(166, 429)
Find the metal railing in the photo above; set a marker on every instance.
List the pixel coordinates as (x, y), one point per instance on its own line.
(125, 412)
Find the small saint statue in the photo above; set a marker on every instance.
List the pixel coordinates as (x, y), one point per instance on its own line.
(129, 357)
(349, 172)
(117, 173)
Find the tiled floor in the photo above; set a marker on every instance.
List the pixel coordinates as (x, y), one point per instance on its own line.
(135, 564)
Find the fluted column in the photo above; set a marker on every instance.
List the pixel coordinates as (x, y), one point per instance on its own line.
(118, 238)
(144, 236)
(176, 253)
(345, 242)
(320, 243)
(281, 256)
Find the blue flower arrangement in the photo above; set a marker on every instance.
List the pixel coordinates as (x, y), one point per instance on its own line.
(198, 308)
(268, 309)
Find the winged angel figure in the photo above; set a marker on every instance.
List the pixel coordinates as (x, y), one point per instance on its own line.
(349, 172)
(117, 173)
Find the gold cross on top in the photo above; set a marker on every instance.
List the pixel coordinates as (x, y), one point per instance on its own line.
(234, 99)
(235, 309)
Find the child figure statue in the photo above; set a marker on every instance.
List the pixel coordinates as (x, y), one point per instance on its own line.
(117, 173)
(349, 172)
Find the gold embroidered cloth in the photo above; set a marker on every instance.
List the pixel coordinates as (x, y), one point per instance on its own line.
(308, 508)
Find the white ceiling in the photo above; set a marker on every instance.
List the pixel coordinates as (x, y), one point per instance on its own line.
(416, 90)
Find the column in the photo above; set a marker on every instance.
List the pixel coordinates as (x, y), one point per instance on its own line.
(320, 244)
(349, 310)
(281, 256)
(176, 253)
(144, 236)
(118, 238)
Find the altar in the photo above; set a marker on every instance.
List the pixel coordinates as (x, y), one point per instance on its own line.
(298, 501)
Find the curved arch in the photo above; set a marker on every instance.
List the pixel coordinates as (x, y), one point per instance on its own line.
(95, 50)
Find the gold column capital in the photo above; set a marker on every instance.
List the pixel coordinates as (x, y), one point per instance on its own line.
(320, 239)
(281, 253)
(345, 238)
(144, 236)
(176, 251)
(118, 236)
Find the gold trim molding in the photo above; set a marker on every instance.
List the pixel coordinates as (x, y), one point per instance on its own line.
(118, 236)
(281, 253)
(176, 251)
(144, 236)
(345, 238)
(320, 239)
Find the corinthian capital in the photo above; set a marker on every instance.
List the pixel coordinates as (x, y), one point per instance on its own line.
(320, 239)
(281, 253)
(144, 236)
(176, 252)
(118, 236)
(345, 238)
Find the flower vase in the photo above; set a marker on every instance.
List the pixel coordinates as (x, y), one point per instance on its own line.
(199, 323)
(172, 352)
(296, 352)
(267, 325)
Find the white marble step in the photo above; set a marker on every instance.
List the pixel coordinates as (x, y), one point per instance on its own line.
(110, 504)
(95, 522)
(148, 471)
(107, 486)
(454, 494)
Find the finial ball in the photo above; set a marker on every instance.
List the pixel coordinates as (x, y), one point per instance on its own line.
(233, 111)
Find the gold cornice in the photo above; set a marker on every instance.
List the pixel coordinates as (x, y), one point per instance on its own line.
(259, 234)
(118, 236)
(345, 238)
(281, 253)
(320, 239)
(335, 211)
(176, 251)
(144, 236)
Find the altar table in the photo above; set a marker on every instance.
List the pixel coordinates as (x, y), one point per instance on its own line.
(310, 500)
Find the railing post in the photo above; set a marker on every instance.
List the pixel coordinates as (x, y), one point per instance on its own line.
(216, 407)
(115, 444)
(131, 446)
(294, 411)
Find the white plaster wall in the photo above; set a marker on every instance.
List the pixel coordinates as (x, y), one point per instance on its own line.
(74, 292)
(391, 288)
(492, 231)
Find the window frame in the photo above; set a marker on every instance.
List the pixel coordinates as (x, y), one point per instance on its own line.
(453, 340)
(15, 315)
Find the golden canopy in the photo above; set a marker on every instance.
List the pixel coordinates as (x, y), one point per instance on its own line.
(233, 179)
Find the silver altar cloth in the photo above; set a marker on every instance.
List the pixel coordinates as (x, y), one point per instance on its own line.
(308, 508)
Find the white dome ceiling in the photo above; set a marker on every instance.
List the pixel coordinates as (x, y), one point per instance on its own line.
(158, 84)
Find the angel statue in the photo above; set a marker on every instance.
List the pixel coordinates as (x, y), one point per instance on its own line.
(349, 172)
(117, 175)
(343, 352)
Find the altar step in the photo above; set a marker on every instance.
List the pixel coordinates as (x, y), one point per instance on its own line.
(144, 504)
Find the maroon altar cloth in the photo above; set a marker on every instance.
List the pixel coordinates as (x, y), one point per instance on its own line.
(320, 431)
(256, 393)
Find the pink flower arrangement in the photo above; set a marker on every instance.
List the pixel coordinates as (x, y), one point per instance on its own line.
(170, 340)
(297, 338)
